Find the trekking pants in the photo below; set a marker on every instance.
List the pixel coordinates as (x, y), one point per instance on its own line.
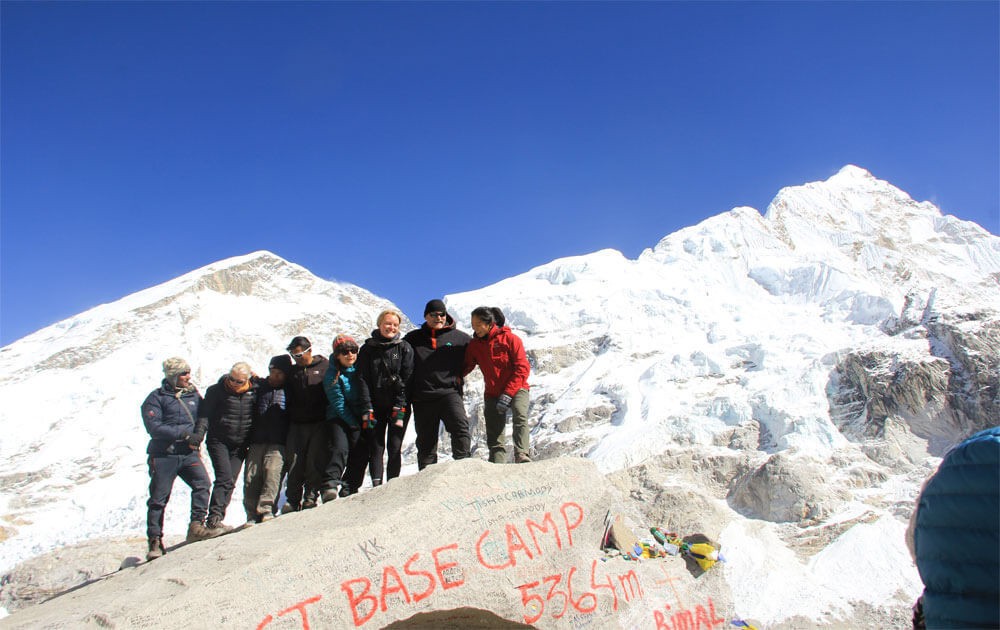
(427, 417)
(262, 479)
(227, 462)
(496, 423)
(163, 469)
(307, 456)
(374, 443)
(344, 446)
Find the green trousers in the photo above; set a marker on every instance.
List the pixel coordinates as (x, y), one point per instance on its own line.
(496, 422)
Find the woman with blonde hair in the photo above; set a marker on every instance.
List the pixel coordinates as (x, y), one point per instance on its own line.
(385, 363)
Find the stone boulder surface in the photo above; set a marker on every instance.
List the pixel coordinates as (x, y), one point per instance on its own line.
(461, 544)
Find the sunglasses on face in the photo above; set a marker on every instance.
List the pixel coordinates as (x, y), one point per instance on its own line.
(299, 355)
(347, 351)
(188, 373)
(437, 314)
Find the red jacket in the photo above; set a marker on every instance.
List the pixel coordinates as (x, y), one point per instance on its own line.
(501, 358)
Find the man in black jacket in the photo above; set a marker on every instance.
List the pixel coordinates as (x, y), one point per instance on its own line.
(436, 386)
(227, 413)
(268, 434)
(307, 449)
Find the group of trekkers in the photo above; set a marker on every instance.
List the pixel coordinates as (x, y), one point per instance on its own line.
(316, 424)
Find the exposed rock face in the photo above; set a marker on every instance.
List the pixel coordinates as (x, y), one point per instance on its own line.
(787, 488)
(940, 395)
(462, 544)
(48, 575)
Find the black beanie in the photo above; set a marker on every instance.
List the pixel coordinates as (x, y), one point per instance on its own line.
(283, 362)
(435, 306)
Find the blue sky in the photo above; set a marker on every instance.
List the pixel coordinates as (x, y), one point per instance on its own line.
(419, 149)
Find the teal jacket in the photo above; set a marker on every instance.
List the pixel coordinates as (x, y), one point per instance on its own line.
(957, 536)
(346, 393)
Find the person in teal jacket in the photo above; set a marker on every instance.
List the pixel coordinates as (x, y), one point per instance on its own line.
(347, 414)
(956, 537)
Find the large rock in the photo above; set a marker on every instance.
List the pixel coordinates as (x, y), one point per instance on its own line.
(461, 544)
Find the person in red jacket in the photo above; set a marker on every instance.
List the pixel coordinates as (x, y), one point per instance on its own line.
(499, 353)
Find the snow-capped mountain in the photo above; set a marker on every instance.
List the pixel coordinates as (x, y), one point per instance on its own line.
(742, 318)
(798, 371)
(72, 447)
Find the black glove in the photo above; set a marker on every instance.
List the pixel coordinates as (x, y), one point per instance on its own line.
(195, 439)
(503, 403)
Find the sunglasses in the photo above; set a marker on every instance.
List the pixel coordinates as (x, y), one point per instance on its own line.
(437, 314)
(188, 373)
(347, 351)
(299, 355)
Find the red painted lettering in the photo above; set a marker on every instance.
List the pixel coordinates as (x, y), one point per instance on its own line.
(587, 595)
(579, 519)
(518, 546)
(713, 619)
(555, 579)
(547, 523)
(610, 585)
(531, 601)
(301, 607)
(354, 599)
(685, 620)
(630, 585)
(426, 575)
(387, 572)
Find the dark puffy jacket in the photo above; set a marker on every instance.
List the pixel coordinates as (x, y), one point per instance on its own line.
(169, 417)
(270, 422)
(438, 358)
(347, 395)
(502, 360)
(228, 416)
(956, 538)
(385, 365)
(305, 400)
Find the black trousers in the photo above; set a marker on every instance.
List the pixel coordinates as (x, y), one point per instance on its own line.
(427, 418)
(344, 447)
(307, 454)
(163, 470)
(227, 462)
(374, 443)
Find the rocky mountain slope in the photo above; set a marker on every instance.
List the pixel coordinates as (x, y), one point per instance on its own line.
(781, 382)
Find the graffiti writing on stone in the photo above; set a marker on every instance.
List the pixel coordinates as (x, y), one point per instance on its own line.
(559, 593)
(513, 547)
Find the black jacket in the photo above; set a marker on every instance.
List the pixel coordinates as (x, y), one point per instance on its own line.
(228, 416)
(305, 400)
(385, 366)
(270, 422)
(438, 359)
(169, 418)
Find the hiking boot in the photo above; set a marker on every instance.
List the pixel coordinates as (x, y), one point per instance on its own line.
(155, 548)
(309, 503)
(216, 525)
(266, 517)
(521, 458)
(288, 508)
(346, 490)
(197, 531)
(329, 494)
(376, 483)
